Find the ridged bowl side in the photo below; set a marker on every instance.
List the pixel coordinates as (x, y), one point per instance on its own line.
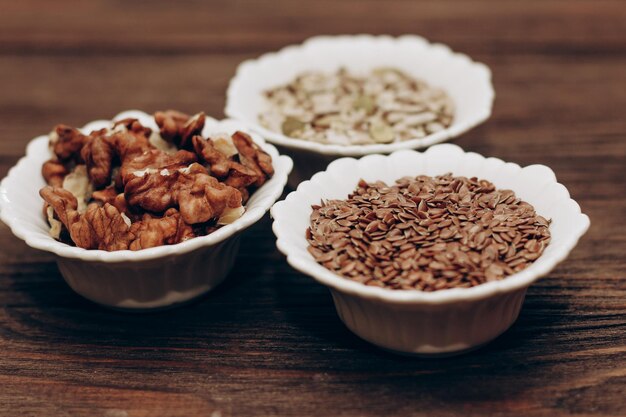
(155, 283)
(429, 330)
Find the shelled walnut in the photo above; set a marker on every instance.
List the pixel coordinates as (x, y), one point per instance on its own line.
(120, 188)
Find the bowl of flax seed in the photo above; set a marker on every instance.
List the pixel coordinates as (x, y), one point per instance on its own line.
(428, 253)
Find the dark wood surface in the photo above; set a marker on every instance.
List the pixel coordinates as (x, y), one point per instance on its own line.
(268, 342)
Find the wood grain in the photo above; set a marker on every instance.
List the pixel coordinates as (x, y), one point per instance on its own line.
(268, 342)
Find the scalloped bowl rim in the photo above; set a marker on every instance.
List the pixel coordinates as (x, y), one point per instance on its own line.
(452, 131)
(307, 265)
(273, 189)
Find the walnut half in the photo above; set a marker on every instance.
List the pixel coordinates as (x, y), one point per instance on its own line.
(179, 128)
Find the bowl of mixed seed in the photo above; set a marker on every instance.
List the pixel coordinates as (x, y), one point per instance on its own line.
(338, 96)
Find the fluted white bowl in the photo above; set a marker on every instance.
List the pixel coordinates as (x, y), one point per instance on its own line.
(445, 321)
(467, 82)
(146, 279)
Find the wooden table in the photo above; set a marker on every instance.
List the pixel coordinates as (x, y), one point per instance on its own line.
(268, 342)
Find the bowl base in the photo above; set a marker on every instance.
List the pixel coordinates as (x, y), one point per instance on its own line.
(155, 309)
(435, 355)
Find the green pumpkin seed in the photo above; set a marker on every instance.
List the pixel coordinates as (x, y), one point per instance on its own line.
(366, 103)
(292, 125)
(381, 132)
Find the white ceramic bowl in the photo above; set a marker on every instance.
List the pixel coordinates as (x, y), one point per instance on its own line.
(146, 279)
(466, 81)
(445, 321)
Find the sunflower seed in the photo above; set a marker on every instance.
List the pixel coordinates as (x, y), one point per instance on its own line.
(382, 106)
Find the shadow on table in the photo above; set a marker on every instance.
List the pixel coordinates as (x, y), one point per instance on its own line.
(520, 360)
(50, 310)
(317, 317)
(286, 324)
(268, 318)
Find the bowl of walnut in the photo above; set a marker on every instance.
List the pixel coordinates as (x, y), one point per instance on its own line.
(428, 253)
(336, 96)
(142, 211)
